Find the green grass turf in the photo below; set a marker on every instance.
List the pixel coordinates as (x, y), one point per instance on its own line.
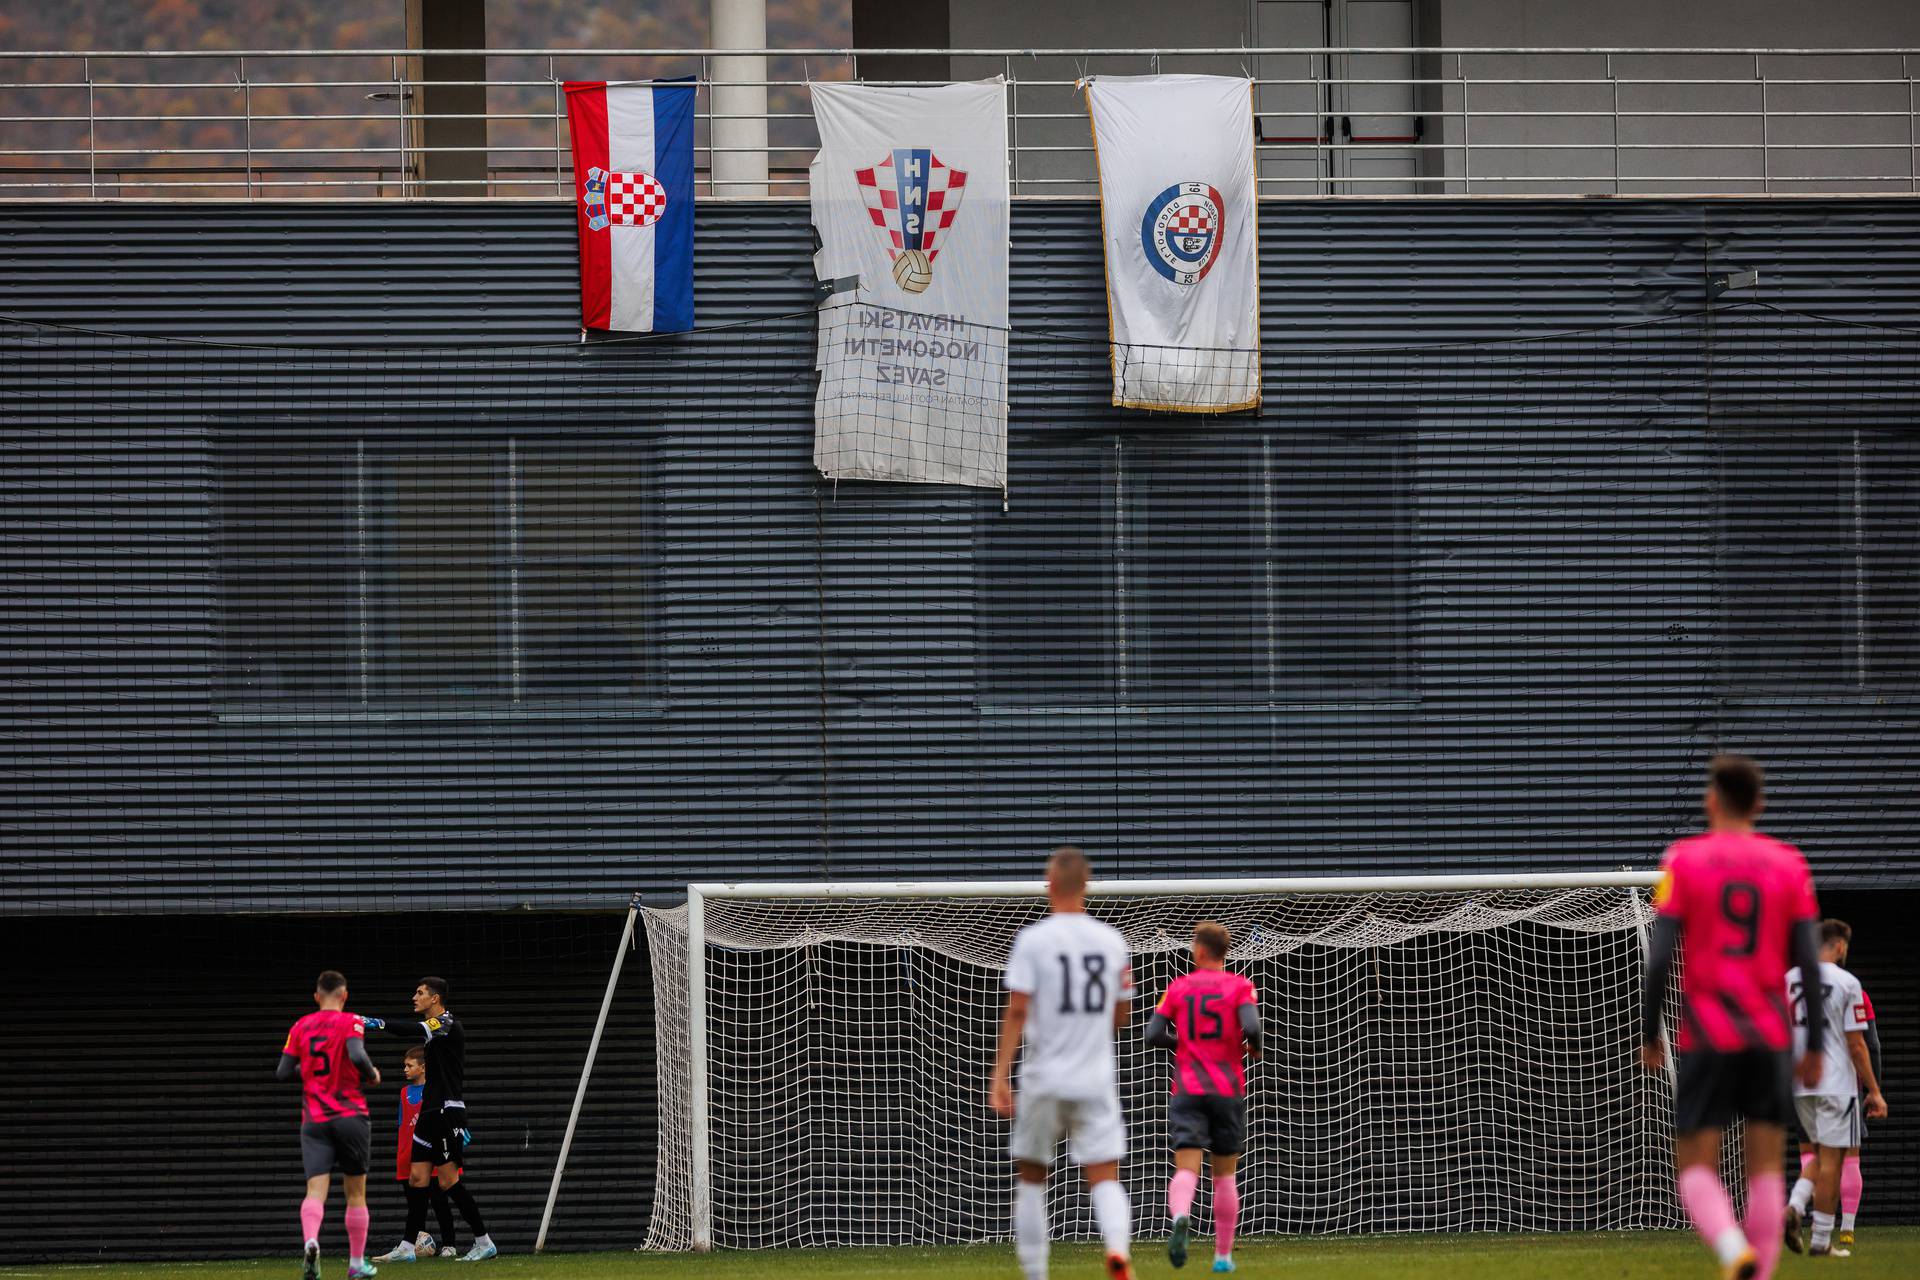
(1883, 1253)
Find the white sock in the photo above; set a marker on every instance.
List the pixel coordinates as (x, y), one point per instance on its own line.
(1030, 1228)
(1846, 1221)
(479, 1241)
(1115, 1216)
(1731, 1244)
(1822, 1229)
(1802, 1195)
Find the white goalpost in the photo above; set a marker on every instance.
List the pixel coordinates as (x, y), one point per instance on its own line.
(1444, 1053)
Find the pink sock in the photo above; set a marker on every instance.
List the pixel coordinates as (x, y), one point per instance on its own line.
(1710, 1211)
(356, 1231)
(311, 1211)
(1806, 1162)
(1851, 1187)
(1226, 1214)
(1180, 1193)
(1766, 1215)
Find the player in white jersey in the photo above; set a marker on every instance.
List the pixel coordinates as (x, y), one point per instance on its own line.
(1829, 1110)
(1069, 991)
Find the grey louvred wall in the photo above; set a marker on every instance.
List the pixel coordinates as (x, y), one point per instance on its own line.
(827, 703)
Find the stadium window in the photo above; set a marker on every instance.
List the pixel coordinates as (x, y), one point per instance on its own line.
(502, 573)
(1821, 557)
(1199, 568)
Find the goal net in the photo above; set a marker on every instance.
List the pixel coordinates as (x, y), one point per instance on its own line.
(1456, 1054)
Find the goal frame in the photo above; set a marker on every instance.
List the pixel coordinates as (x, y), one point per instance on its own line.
(698, 895)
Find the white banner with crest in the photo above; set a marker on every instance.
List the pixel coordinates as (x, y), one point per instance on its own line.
(1177, 214)
(910, 201)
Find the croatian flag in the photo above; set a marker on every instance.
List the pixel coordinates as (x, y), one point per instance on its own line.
(633, 196)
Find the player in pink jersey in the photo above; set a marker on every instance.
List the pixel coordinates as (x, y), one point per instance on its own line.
(1211, 1020)
(1744, 905)
(327, 1051)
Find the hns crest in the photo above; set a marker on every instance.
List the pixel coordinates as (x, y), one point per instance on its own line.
(913, 197)
(1181, 232)
(626, 199)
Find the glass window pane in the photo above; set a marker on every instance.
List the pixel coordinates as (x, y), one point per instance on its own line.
(1890, 528)
(1194, 566)
(1789, 567)
(583, 571)
(289, 575)
(1045, 602)
(439, 600)
(1339, 542)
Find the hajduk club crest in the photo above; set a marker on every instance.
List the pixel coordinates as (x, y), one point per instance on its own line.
(912, 197)
(1181, 231)
(622, 199)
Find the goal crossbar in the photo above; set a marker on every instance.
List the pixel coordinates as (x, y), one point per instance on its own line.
(856, 889)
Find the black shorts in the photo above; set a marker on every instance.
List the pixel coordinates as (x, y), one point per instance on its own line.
(440, 1139)
(1712, 1090)
(340, 1144)
(1206, 1120)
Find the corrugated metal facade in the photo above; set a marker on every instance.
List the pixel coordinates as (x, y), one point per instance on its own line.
(864, 681)
(1539, 614)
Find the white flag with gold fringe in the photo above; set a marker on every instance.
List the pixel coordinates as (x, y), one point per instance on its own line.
(1177, 215)
(910, 201)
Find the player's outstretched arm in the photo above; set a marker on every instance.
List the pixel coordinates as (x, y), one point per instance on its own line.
(1250, 1029)
(1661, 948)
(1160, 1033)
(1012, 1024)
(407, 1028)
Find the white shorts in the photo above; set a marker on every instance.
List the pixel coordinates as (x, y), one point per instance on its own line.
(1829, 1122)
(1095, 1126)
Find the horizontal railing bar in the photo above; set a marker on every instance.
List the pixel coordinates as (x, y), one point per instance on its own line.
(1591, 184)
(1303, 83)
(385, 118)
(388, 82)
(549, 117)
(1062, 149)
(845, 52)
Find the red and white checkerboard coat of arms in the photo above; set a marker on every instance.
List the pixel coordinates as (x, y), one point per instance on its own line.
(1181, 232)
(622, 199)
(913, 197)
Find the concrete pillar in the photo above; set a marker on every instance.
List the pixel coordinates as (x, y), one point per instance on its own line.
(448, 24)
(740, 91)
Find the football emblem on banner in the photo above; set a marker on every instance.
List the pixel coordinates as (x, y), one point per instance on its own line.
(622, 199)
(912, 198)
(1181, 231)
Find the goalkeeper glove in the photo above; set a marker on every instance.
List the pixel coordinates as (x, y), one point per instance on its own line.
(373, 1024)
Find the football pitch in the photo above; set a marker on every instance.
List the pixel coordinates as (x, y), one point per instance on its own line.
(1883, 1254)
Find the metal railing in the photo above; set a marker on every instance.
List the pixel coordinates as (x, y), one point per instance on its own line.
(261, 124)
